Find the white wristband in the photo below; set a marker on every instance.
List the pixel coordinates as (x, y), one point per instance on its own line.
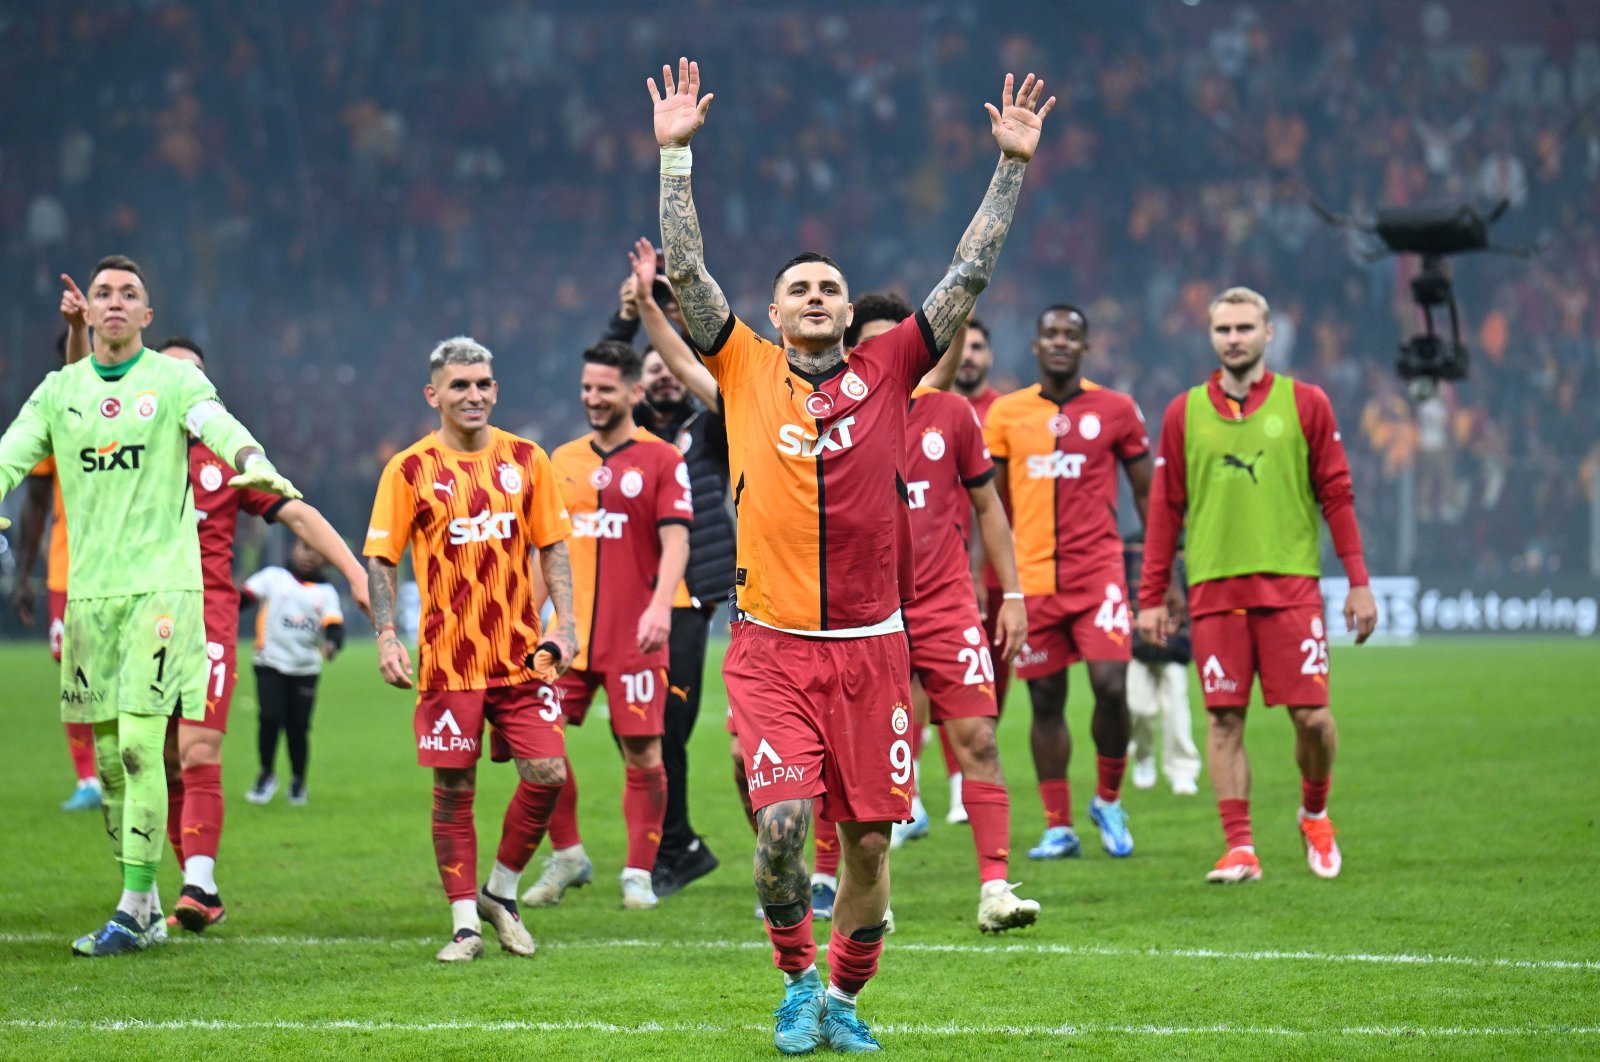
(1013, 597)
(676, 161)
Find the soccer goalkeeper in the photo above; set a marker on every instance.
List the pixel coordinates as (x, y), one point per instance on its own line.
(118, 425)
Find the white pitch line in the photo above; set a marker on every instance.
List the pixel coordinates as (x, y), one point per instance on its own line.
(1091, 950)
(887, 1029)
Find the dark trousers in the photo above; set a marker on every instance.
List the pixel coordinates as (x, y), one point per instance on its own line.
(286, 702)
(685, 675)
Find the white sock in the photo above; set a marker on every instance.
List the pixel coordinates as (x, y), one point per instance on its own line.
(503, 881)
(138, 904)
(1319, 815)
(830, 880)
(155, 899)
(572, 854)
(917, 810)
(791, 978)
(636, 874)
(89, 782)
(200, 871)
(464, 913)
(839, 994)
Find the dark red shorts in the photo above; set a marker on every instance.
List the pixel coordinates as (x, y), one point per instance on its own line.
(1066, 628)
(637, 698)
(950, 654)
(58, 622)
(824, 718)
(1288, 647)
(526, 718)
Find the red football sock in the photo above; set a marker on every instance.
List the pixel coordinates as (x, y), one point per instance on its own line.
(989, 811)
(527, 818)
(564, 820)
(851, 963)
(826, 835)
(202, 810)
(1057, 796)
(793, 947)
(175, 815)
(1314, 795)
(455, 842)
(644, 809)
(1236, 822)
(80, 743)
(951, 764)
(1109, 769)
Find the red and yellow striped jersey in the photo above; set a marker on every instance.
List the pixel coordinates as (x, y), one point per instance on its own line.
(471, 520)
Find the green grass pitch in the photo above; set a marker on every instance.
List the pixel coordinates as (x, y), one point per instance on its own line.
(1465, 924)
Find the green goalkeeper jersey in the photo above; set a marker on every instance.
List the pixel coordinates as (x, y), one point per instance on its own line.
(120, 436)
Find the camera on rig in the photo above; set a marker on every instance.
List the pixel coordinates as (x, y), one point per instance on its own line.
(1434, 233)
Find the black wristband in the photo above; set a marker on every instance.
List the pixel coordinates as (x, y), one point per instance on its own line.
(549, 647)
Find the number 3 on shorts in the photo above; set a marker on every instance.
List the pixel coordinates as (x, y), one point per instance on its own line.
(552, 704)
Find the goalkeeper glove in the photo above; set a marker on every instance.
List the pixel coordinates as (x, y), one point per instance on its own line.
(258, 474)
(4, 523)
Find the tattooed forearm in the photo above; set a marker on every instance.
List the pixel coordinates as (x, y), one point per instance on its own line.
(781, 876)
(949, 303)
(381, 579)
(705, 308)
(557, 571)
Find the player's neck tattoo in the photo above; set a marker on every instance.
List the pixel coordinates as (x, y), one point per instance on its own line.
(814, 364)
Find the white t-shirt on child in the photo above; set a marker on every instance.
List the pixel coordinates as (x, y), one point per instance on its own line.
(290, 620)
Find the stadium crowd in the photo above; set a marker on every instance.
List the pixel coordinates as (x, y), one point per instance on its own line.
(321, 200)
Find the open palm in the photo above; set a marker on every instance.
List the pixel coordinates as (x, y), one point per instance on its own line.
(680, 112)
(1016, 124)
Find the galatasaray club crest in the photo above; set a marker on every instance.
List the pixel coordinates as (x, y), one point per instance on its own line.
(144, 407)
(510, 479)
(932, 444)
(632, 484)
(164, 627)
(210, 477)
(900, 719)
(853, 387)
(1089, 426)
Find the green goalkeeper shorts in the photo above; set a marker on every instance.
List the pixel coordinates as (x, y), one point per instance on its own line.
(139, 655)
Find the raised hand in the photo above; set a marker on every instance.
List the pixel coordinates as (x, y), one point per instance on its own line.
(643, 257)
(74, 307)
(679, 110)
(1017, 123)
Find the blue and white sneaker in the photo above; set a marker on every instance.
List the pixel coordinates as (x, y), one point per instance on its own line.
(120, 936)
(915, 830)
(846, 1032)
(84, 798)
(1058, 842)
(1113, 823)
(798, 1028)
(824, 887)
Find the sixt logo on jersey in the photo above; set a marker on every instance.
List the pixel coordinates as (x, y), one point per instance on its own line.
(599, 524)
(110, 456)
(797, 442)
(1055, 465)
(481, 528)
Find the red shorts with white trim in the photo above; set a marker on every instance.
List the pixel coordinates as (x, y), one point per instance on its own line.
(1063, 630)
(950, 653)
(1288, 647)
(526, 718)
(637, 698)
(58, 622)
(826, 719)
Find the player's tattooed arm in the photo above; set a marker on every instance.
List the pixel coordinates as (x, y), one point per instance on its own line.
(705, 308)
(1015, 125)
(679, 113)
(394, 663)
(781, 876)
(556, 568)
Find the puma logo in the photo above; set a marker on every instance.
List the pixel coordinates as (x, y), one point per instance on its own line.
(196, 829)
(901, 793)
(453, 869)
(1248, 467)
(681, 692)
(147, 835)
(639, 709)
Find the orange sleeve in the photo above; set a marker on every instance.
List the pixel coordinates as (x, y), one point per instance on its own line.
(548, 518)
(737, 353)
(994, 432)
(392, 512)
